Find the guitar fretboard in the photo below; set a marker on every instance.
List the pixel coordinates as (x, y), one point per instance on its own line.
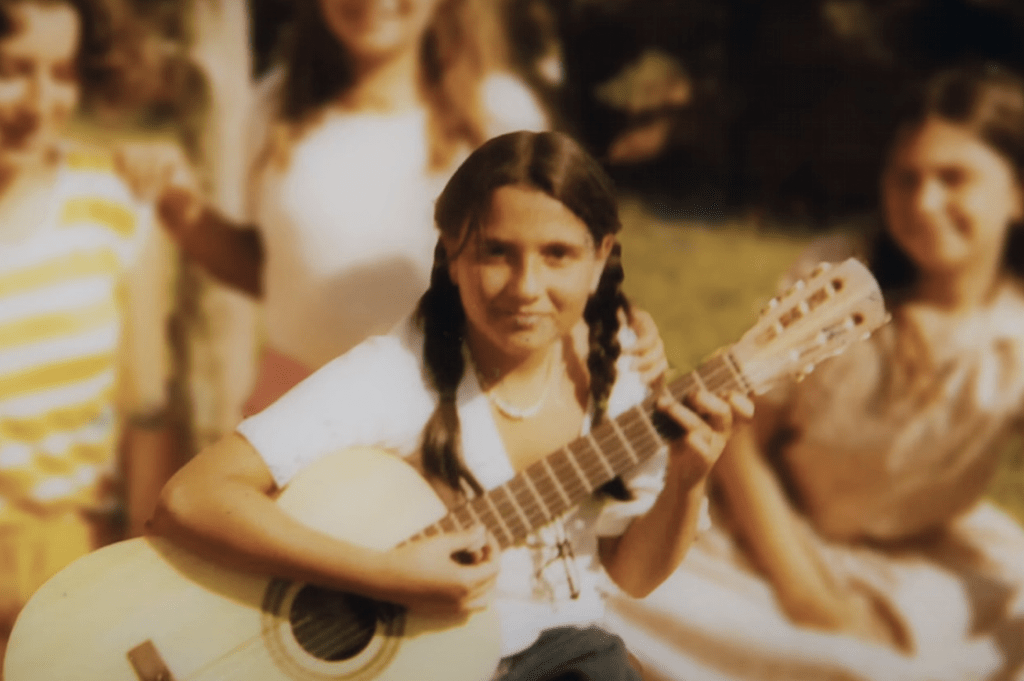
(552, 485)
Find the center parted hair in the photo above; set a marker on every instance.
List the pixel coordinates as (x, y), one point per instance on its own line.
(463, 42)
(986, 99)
(550, 162)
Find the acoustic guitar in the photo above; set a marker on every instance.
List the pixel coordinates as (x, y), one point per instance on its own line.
(147, 610)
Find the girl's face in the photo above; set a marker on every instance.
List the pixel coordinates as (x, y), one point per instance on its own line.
(39, 87)
(526, 275)
(949, 197)
(377, 29)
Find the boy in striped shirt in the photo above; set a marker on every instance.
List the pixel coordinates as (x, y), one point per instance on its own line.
(70, 236)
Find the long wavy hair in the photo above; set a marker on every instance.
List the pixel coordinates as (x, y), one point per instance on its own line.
(986, 99)
(556, 165)
(461, 45)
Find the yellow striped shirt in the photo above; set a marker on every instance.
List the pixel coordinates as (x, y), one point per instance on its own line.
(60, 330)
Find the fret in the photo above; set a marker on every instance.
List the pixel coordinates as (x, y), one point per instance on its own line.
(640, 431)
(509, 511)
(541, 479)
(681, 386)
(607, 438)
(557, 485)
(634, 458)
(698, 380)
(738, 378)
(717, 373)
(489, 518)
(534, 494)
(584, 455)
(568, 477)
(609, 470)
(464, 518)
(587, 479)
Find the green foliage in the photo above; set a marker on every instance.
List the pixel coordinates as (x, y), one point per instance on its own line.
(705, 284)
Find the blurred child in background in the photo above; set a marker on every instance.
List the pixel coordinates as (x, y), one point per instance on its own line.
(853, 539)
(82, 354)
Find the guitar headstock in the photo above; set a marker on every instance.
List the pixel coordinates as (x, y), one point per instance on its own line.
(817, 318)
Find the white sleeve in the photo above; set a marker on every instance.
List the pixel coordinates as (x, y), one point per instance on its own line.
(374, 395)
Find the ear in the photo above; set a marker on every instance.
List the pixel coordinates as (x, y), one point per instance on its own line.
(604, 249)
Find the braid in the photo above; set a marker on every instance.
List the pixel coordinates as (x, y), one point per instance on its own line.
(444, 321)
(602, 317)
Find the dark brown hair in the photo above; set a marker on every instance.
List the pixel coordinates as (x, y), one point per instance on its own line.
(556, 165)
(986, 99)
(461, 45)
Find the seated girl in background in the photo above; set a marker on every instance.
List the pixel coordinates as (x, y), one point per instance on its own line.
(83, 360)
(852, 537)
(513, 352)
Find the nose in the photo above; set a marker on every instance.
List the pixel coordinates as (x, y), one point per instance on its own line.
(929, 197)
(41, 92)
(527, 280)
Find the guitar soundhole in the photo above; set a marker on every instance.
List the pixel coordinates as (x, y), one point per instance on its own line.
(335, 626)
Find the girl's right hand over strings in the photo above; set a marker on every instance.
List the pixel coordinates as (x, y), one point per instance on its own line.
(451, 574)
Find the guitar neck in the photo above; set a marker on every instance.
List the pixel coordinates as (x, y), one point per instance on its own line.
(554, 484)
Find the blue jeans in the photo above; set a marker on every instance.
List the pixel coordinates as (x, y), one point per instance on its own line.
(570, 654)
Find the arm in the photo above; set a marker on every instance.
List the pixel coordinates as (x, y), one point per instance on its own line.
(220, 505)
(230, 252)
(150, 455)
(768, 526)
(148, 446)
(655, 543)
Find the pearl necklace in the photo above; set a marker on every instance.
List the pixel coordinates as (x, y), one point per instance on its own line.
(511, 411)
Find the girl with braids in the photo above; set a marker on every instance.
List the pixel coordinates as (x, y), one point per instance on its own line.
(494, 371)
(853, 538)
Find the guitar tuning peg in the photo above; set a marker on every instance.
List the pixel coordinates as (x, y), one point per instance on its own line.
(821, 267)
(770, 305)
(804, 373)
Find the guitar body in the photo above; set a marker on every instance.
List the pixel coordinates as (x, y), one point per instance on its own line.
(145, 609)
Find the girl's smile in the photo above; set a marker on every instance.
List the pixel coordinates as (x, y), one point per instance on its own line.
(526, 276)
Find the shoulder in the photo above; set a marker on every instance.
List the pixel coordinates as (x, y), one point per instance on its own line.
(91, 192)
(510, 105)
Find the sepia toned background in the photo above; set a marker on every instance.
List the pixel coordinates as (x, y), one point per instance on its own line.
(736, 130)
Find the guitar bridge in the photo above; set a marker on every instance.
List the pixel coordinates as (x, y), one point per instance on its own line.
(148, 664)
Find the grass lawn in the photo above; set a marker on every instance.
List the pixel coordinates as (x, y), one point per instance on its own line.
(705, 285)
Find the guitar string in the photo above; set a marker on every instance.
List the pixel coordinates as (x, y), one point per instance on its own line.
(718, 377)
(721, 375)
(211, 670)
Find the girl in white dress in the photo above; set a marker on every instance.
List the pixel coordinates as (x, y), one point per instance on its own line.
(852, 537)
(513, 352)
